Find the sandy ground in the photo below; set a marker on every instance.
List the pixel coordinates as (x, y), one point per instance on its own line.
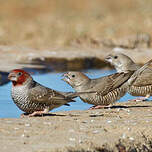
(125, 127)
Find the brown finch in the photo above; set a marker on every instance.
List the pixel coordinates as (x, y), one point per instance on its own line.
(107, 89)
(143, 84)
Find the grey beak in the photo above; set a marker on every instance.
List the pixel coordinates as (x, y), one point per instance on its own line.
(64, 75)
(107, 58)
(12, 77)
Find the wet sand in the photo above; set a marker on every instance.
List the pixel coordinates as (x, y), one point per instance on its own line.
(126, 126)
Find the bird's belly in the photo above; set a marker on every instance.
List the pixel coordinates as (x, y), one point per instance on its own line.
(25, 104)
(109, 98)
(140, 91)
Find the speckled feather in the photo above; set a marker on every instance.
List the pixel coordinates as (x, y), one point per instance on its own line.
(108, 89)
(143, 84)
(37, 98)
(31, 96)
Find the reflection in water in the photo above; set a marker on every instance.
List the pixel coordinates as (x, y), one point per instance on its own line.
(53, 80)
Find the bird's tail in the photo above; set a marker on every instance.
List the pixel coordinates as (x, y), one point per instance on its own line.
(138, 72)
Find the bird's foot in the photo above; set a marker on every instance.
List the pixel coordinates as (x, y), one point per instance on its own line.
(23, 115)
(139, 99)
(37, 113)
(97, 107)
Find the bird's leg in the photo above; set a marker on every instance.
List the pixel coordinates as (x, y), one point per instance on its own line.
(45, 111)
(35, 113)
(141, 98)
(23, 115)
(99, 107)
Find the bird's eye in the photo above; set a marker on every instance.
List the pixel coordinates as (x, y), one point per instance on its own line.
(115, 57)
(73, 76)
(20, 73)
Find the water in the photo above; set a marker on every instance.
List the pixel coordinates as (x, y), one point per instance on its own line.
(53, 80)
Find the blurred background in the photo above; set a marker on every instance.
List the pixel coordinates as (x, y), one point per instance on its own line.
(86, 27)
(72, 32)
(44, 24)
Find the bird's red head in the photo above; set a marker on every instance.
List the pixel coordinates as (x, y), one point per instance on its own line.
(18, 77)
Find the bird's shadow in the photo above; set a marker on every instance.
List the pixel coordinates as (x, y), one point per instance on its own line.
(126, 107)
(43, 115)
(119, 107)
(64, 115)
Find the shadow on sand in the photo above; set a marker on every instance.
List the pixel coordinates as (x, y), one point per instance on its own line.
(125, 107)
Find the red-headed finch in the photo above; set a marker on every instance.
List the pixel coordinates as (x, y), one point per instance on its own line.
(34, 98)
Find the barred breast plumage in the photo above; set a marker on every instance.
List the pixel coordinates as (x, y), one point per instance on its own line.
(140, 90)
(105, 100)
(23, 101)
(108, 88)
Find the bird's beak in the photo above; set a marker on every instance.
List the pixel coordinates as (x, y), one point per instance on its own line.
(108, 59)
(65, 77)
(12, 77)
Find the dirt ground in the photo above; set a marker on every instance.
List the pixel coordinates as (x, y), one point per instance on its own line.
(125, 127)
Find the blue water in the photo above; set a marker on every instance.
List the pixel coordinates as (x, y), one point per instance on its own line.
(53, 80)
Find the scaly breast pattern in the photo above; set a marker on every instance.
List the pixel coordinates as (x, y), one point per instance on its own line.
(23, 102)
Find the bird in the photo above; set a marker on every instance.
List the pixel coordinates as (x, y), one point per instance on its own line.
(143, 84)
(108, 89)
(34, 98)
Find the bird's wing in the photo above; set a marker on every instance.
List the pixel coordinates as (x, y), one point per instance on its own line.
(120, 79)
(144, 79)
(111, 82)
(41, 94)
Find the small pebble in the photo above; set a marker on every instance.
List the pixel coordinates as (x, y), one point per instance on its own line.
(82, 128)
(131, 138)
(92, 120)
(118, 110)
(27, 125)
(16, 128)
(84, 121)
(124, 136)
(72, 139)
(129, 129)
(109, 121)
(95, 132)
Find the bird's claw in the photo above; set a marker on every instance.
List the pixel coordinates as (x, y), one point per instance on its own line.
(23, 115)
(96, 107)
(36, 113)
(139, 99)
